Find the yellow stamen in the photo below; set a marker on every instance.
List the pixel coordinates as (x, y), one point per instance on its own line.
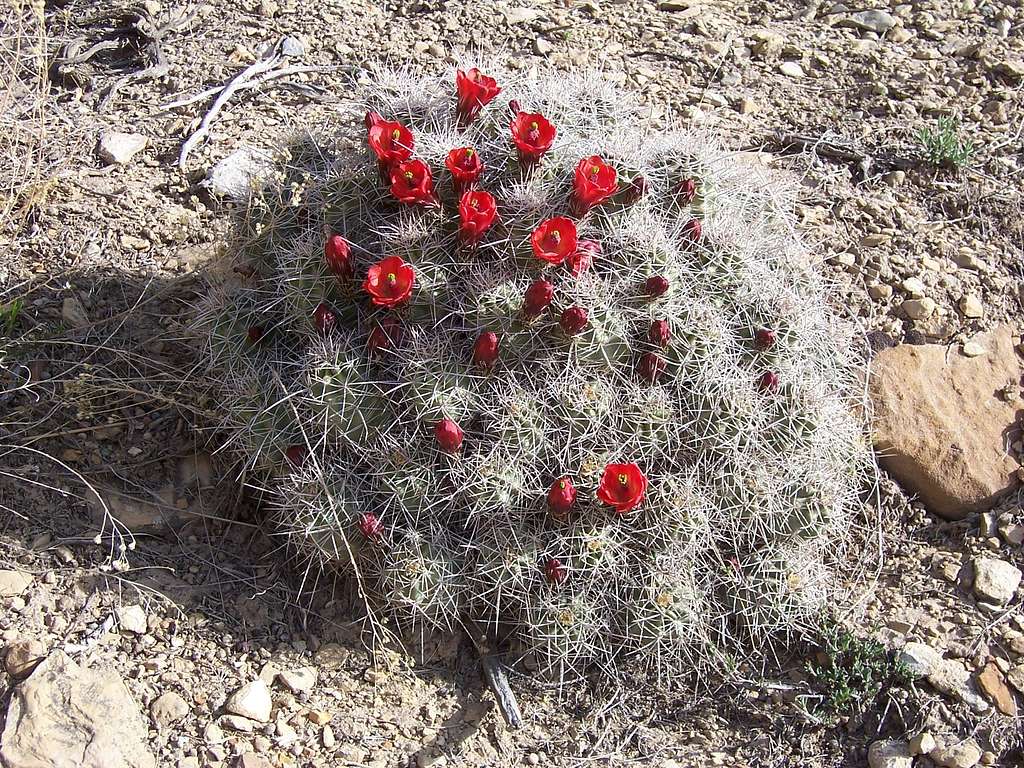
(594, 170)
(408, 175)
(566, 618)
(469, 152)
(623, 480)
(555, 237)
(396, 134)
(392, 278)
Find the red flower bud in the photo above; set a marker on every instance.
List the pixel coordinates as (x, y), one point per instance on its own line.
(371, 119)
(255, 333)
(686, 190)
(554, 571)
(485, 349)
(324, 318)
(386, 335)
(764, 338)
(637, 188)
(296, 455)
(370, 526)
(769, 381)
(659, 333)
(651, 368)
(554, 240)
(514, 108)
(338, 255)
(593, 182)
(573, 320)
(561, 497)
(583, 259)
(448, 435)
(693, 230)
(623, 486)
(477, 212)
(538, 296)
(656, 286)
(476, 91)
(533, 135)
(412, 183)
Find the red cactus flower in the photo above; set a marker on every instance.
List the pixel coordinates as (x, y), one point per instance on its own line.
(538, 296)
(636, 189)
(338, 255)
(764, 338)
(386, 335)
(324, 318)
(651, 368)
(296, 455)
(573, 320)
(583, 258)
(659, 333)
(594, 182)
(254, 333)
(656, 285)
(370, 526)
(485, 349)
(371, 118)
(476, 90)
(465, 166)
(390, 282)
(769, 381)
(477, 212)
(554, 571)
(686, 190)
(391, 142)
(554, 240)
(561, 498)
(533, 135)
(693, 230)
(622, 486)
(412, 183)
(448, 435)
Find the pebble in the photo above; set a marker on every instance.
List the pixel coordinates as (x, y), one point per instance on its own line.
(995, 580)
(922, 744)
(168, 708)
(971, 306)
(791, 69)
(541, 46)
(889, 754)
(880, 291)
(918, 309)
(252, 701)
(973, 349)
(131, 618)
(14, 582)
(22, 657)
(73, 313)
(914, 287)
(919, 658)
(960, 754)
(327, 737)
(299, 680)
(118, 148)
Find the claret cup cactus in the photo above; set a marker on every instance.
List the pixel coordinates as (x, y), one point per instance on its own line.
(503, 351)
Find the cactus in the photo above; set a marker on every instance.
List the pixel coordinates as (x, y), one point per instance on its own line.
(520, 357)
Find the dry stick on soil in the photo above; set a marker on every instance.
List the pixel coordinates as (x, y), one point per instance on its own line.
(254, 83)
(494, 672)
(785, 142)
(284, 48)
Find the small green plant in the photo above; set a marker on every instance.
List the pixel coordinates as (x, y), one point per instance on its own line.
(9, 314)
(850, 673)
(944, 146)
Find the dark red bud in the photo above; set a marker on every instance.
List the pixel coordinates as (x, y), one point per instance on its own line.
(514, 108)
(656, 286)
(485, 350)
(296, 455)
(693, 230)
(255, 333)
(449, 435)
(554, 571)
(659, 333)
(561, 497)
(651, 368)
(764, 338)
(573, 320)
(637, 188)
(386, 335)
(370, 526)
(538, 296)
(338, 255)
(769, 381)
(324, 318)
(686, 191)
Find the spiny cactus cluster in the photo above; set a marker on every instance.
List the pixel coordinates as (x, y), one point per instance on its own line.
(503, 351)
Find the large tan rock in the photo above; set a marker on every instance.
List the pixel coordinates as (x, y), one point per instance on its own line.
(941, 426)
(67, 716)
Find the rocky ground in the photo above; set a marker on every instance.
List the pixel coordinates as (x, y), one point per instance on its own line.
(187, 637)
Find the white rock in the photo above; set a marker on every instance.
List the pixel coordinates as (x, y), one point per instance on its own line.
(299, 680)
(14, 582)
(238, 723)
(918, 309)
(995, 580)
(168, 708)
(73, 313)
(973, 349)
(213, 734)
(889, 754)
(920, 659)
(971, 306)
(120, 148)
(875, 21)
(131, 618)
(960, 754)
(953, 679)
(922, 744)
(914, 286)
(239, 173)
(791, 69)
(1016, 677)
(542, 47)
(520, 15)
(252, 701)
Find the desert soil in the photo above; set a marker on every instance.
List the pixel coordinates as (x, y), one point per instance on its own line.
(108, 256)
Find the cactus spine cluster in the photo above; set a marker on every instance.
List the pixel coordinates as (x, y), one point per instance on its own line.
(504, 351)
